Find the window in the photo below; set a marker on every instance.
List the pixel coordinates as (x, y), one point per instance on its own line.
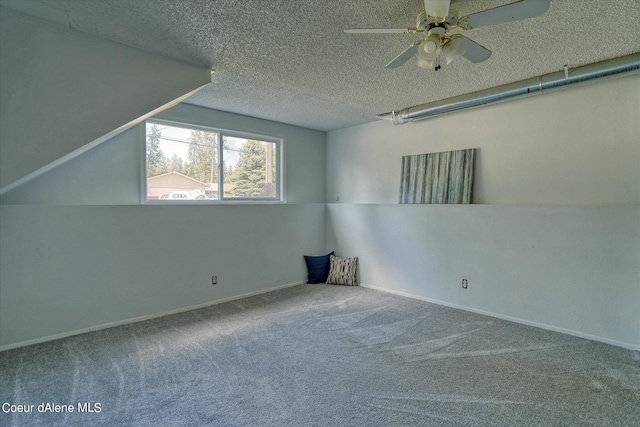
(193, 164)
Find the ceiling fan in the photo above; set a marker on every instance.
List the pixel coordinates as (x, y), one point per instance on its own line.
(436, 21)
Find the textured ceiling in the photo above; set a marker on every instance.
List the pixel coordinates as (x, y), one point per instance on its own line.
(289, 60)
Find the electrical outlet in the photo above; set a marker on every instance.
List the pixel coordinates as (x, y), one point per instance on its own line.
(214, 280)
(465, 283)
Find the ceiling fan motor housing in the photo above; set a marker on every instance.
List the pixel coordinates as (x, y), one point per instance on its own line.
(422, 21)
(437, 10)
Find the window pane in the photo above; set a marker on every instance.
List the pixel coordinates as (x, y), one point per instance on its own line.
(250, 168)
(182, 163)
(188, 163)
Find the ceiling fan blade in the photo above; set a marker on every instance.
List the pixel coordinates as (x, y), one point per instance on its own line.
(473, 51)
(406, 54)
(437, 8)
(522, 9)
(380, 31)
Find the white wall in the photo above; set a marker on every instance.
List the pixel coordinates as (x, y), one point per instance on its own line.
(61, 89)
(71, 268)
(88, 179)
(577, 146)
(79, 252)
(557, 241)
(567, 268)
(109, 174)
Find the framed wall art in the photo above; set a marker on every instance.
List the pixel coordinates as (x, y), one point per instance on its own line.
(437, 178)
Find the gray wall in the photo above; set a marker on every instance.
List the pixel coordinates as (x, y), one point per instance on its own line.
(87, 179)
(62, 89)
(555, 241)
(109, 174)
(79, 252)
(73, 268)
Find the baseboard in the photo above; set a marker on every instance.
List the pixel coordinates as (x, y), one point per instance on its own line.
(509, 318)
(143, 318)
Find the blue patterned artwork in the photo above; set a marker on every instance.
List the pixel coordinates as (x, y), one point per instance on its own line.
(445, 177)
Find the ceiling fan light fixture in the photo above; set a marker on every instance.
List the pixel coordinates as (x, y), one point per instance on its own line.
(423, 63)
(452, 51)
(429, 48)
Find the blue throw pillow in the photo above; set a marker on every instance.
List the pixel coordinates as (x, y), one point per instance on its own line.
(318, 268)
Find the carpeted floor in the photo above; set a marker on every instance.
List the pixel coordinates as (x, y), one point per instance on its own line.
(321, 355)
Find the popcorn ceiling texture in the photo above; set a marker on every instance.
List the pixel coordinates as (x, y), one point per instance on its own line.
(289, 61)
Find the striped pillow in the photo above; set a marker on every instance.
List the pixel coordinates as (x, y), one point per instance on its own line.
(342, 271)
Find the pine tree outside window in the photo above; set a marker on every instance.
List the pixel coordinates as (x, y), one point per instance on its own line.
(189, 164)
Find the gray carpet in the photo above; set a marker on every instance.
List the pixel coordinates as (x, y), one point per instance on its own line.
(321, 355)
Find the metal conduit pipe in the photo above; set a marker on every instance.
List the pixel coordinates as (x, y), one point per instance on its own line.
(547, 82)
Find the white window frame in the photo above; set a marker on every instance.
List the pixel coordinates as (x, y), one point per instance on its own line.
(279, 142)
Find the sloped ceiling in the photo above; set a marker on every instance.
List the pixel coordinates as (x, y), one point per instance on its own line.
(289, 60)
